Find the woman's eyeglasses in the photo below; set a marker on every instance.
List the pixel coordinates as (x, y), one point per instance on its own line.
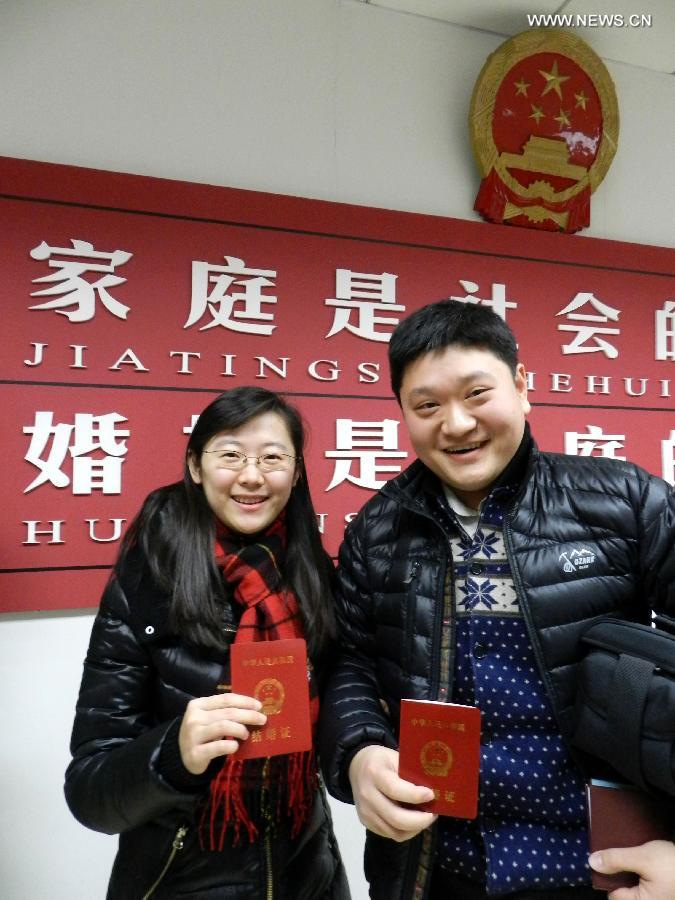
(266, 462)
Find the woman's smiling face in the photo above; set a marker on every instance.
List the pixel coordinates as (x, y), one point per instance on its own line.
(248, 500)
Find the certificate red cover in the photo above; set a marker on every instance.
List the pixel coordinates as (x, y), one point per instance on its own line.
(439, 747)
(621, 815)
(274, 672)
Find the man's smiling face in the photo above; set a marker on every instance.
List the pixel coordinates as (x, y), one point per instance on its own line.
(465, 413)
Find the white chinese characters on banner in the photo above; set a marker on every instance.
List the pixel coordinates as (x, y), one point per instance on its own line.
(594, 443)
(88, 435)
(188, 429)
(233, 296)
(366, 295)
(668, 458)
(589, 332)
(366, 443)
(665, 331)
(71, 288)
(497, 299)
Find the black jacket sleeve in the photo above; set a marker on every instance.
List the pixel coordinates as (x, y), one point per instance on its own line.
(352, 712)
(113, 782)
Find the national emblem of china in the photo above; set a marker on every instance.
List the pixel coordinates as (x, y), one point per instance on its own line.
(270, 692)
(544, 127)
(436, 758)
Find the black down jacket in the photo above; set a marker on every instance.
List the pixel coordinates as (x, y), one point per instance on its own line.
(138, 678)
(614, 518)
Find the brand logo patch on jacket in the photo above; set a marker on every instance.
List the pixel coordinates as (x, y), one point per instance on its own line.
(576, 560)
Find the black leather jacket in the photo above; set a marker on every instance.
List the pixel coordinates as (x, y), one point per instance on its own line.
(138, 678)
(613, 517)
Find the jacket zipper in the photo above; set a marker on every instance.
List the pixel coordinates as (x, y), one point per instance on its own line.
(532, 634)
(267, 839)
(443, 691)
(269, 891)
(411, 605)
(427, 840)
(413, 572)
(177, 844)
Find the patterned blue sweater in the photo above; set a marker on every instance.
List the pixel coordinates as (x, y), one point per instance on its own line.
(531, 830)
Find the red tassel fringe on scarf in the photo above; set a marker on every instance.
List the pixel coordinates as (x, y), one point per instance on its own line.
(247, 793)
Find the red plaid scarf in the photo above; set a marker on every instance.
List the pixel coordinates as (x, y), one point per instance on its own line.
(245, 791)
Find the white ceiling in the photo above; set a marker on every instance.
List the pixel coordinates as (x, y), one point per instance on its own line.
(648, 46)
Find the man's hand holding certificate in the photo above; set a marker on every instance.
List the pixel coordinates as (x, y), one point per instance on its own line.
(439, 747)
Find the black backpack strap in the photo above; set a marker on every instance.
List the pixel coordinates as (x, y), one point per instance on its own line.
(628, 698)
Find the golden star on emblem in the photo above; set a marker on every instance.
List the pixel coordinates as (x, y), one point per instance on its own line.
(581, 99)
(521, 87)
(553, 80)
(562, 119)
(536, 113)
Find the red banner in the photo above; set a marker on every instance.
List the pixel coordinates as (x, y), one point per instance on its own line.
(130, 302)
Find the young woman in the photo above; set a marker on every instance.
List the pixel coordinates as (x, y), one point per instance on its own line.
(230, 553)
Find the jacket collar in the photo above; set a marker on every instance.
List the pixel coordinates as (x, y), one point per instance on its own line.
(514, 473)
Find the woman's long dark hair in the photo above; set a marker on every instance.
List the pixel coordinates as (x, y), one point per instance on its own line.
(175, 529)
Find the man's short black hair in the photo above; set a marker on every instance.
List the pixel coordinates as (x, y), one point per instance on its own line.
(447, 322)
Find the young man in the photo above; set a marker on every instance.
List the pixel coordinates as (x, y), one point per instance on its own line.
(452, 586)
